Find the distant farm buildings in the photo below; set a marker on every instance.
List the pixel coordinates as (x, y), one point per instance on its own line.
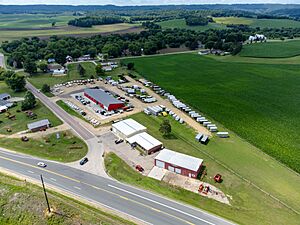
(257, 37)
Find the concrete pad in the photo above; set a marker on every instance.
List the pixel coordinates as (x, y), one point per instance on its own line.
(157, 173)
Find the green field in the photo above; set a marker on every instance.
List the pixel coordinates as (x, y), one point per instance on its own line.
(67, 148)
(45, 78)
(260, 102)
(248, 205)
(278, 49)
(22, 21)
(180, 23)
(262, 23)
(8, 35)
(221, 22)
(24, 203)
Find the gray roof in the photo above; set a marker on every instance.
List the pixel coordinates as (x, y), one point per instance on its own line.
(101, 96)
(38, 124)
(4, 95)
(5, 103)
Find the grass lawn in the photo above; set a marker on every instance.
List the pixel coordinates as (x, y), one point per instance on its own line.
(8, 35)
(21, 119)
(67, 148)
(272, 49)
(65, 107)
(180, 23)
(39, 79)
(5, 89)
(260, 102)
(23, 203)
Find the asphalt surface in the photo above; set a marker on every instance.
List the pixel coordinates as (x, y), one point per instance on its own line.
(145, 206)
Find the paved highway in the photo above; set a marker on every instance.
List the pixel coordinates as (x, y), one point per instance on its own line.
(145, 206)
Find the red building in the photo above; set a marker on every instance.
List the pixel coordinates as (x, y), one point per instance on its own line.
(178, 163)
(103, 99)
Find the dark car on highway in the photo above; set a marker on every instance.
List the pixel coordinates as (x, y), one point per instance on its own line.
(84, 161)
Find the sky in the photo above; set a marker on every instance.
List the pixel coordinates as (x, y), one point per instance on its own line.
(140, 2)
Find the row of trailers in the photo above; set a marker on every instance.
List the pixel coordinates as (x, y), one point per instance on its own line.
(199, 118)
(160, 109)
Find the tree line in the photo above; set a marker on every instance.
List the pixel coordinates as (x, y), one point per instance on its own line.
(90, 21)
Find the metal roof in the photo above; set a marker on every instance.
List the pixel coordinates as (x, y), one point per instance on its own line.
(102, 97)
(4, 95)
(144, 140)
(5, 103)
(38, 124)
(179, 159)
(129, 127)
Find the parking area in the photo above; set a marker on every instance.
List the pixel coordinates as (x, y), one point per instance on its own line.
(130, 155)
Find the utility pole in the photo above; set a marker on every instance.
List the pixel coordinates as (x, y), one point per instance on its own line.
(49, 210)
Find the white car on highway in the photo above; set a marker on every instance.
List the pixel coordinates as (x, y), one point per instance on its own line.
(41, 164)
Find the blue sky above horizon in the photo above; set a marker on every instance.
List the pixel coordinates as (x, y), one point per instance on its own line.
(141, 2)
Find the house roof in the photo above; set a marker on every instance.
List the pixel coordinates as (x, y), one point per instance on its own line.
(4, 95)
(129, 127)
(5, 103)
(179, 159)
(3, 107)
(38, 124)
(144, 140)
(54, 66)
(101, 96)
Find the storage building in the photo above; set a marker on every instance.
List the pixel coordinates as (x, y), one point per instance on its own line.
(38, 125)
(148, 143)
(127, 128)
(103, 99)
(4, 96)
(178, 163)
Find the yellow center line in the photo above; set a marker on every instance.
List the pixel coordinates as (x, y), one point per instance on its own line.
(98, 188)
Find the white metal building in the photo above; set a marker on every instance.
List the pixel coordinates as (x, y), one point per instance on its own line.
(148, 143)
(127, 128)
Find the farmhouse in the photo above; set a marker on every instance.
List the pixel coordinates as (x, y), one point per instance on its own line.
(5, 96)
(103, 99)
(59, 72)
(178, 163)
(148, 143)
(38, 125)
(52, 67)
(127, 128)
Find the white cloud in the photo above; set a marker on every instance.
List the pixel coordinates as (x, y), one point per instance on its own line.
(140, 2)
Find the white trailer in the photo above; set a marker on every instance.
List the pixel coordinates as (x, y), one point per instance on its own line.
(223, 134)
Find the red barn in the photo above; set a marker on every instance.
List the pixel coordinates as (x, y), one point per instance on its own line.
(103, 99)
(178, 163)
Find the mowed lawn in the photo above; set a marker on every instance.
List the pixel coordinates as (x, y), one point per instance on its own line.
(39, 79)
(248, 205)
(276, 49)
(259, 102)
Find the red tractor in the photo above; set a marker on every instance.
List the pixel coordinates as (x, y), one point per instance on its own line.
(218, 178)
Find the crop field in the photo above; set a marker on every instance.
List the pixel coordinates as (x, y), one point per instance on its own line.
(11, 21)
(260, 102)
(38, 80)
(180, 23)
(247, 202)
(274, 49)
(8, 35)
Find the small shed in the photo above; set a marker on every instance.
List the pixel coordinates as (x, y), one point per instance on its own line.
(38, 125)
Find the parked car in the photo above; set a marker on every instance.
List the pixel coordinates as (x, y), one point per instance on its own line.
(119, 141)
(41, 164)
(139, 168)
(83, 161)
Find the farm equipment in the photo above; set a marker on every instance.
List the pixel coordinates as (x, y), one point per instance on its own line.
(24, 138)
(218, 178)
(203, 189)
(200, 188)
(139, 168)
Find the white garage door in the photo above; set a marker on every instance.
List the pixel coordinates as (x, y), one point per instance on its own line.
(171, 168)
(178, 171)
(160, 164)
